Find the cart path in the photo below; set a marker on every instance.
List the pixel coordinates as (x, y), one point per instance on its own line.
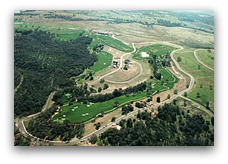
(195, 54)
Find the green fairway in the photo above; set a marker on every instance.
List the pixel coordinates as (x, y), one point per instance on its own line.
(157, 49)
(104, 60)
(79, 112)
(206, 57)
(107, 40)
(204, 78)
(167, 81)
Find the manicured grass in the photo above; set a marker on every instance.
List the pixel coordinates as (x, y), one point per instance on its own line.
(104, 60)
(76, 116)
(157, 49)
(69, 34)
(107, 40)
(203, 77)
(206, 57)
(168, 81)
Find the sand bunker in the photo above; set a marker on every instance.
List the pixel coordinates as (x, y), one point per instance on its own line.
(144, 54)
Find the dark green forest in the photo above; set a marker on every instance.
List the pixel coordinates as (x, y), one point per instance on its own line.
(46, 64)
(171, 127)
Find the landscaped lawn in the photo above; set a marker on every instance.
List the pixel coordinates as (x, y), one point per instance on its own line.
(79, 112)
(107, 40)
(104, 60)
(157, 49)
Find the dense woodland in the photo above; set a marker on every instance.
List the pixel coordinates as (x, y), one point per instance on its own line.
(171, 127)
(82, 94)
(46, 64)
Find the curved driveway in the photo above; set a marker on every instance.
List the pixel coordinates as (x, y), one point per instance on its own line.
(201, 61)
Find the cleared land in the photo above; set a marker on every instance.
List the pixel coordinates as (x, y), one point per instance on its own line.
(125, 75)
(204, 78)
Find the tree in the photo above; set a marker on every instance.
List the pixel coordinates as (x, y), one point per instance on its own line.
(91, 78)
(93, 139)
(157, 76)
(138, 105)
(208, 105)
(211, 87)
(102, 81)
(198, 95)
(97, 125)
(175, 91)
(187, 85)
(105, 86)
(158, 100)
(117, 93)
(113, 119)
(178, 59)
(168, 97)
(185, 94)
(199, 66)
(99, 89)
(201, 85)
(185, 103)
(149, 98)
(212, 120)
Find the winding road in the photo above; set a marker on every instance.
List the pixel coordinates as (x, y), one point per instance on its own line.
(18, 86)
(195, 54)
(22, 129)
(121, 63)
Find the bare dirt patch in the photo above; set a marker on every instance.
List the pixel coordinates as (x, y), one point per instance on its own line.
(125, 75)
(89, 127)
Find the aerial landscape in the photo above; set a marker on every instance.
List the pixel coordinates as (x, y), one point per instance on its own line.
(113, 78)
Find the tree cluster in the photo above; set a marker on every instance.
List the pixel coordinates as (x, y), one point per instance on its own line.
(171, 127)
(46, 64)
(42, 127)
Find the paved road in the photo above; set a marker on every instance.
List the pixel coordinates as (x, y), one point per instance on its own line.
(121, 63)
(20, 121)
(124, 82)
(191, 84)
(199, 105)
(195, 54)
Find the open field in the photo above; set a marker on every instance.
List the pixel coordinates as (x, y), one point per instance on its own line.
(89, 126)
(204, 78)
(108, 40)
(79, 112)
(167, 81)
(186, 33)
(206, 57)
